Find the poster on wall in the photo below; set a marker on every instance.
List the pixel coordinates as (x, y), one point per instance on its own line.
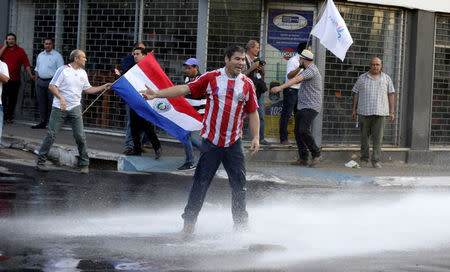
(287, 28)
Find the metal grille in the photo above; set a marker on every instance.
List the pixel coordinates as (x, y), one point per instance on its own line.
(440, 123)
(376, 31)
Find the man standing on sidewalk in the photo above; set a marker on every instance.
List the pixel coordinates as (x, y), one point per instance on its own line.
(67, 84)
(254, 69)
(47, 62)
(4, 77)
(229, 96)
(373, 101)
(290, 94)
(199, 103)
(14, 56)
(309, 105)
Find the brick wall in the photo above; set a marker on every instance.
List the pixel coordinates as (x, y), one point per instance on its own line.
(440, 123)
(376, 31)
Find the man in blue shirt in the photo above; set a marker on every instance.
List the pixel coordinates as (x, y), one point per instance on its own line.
(48, 61)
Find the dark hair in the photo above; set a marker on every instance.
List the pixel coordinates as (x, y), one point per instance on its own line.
(136, 45)
(48, 38)
(301, 46)
(230, 50)
(143, 50)
(11, 34)
(74, 54)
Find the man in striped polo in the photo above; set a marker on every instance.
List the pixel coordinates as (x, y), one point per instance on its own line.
(199, 103)
(229, 96)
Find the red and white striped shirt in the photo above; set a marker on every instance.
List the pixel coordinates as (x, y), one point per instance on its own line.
(227, 101)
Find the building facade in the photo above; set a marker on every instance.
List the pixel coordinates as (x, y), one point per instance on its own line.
(414, 45)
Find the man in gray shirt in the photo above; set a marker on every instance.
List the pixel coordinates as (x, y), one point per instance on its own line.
(373, 101)
(309, 104)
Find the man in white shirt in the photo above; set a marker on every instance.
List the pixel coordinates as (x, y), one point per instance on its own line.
(66, 86)
(47, 62)
(4, 78)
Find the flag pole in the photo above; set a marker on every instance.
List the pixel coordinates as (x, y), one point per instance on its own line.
(90, 105)
(315, 21)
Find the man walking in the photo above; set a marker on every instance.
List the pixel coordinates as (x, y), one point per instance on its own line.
(373, 100)
(66, 86)
(230, 95)
(4, 77)
(290, 94)
(139, 124)
(309, 105)
(14, 56)
(47, 62)
(199, 103)
(254, 69)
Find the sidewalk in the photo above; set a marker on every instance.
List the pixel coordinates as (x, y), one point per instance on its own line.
(271, 164)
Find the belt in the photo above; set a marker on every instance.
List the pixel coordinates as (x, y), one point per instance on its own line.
(45, 79)
(292, 89)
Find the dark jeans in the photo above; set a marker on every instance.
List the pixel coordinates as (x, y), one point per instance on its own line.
(9, 98)
(289, 104)
(261, 117)
(45, 99)
(211, 156)
(303, 135)
(371, 125)
(138, 124)
(128, 138)
(57, 118)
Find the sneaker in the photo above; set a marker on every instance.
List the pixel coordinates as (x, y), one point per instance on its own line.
(315, 161)
(84, 169)
(300, 163)
(127, 150)
(264, 142)
(364, 163)
(39, 126)
(133, 152)
(42, 167)
(158, 153)
(186, 166)
(285, 142)
(376, 165)
(188, 228)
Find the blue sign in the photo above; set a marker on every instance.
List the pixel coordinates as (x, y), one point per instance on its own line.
(287, 28)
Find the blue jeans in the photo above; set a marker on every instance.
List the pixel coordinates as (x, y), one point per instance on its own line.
(193, 139)
(57, 118)
(1, 123)
(261, 117)
(45, 99)
(289, 104)
(211, 156)
(128, 137)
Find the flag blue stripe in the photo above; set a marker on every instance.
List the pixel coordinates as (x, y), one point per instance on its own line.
(143, 109)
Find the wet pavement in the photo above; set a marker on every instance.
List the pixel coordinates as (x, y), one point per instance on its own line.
(113, 221)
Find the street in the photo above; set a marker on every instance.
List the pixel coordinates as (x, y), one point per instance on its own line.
(112, 221)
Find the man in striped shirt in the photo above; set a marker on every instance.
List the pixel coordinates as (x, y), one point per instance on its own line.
(199, 103)
(229, 96)
(373, 101)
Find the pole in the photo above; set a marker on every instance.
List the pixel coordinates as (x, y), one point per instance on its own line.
(315, 22)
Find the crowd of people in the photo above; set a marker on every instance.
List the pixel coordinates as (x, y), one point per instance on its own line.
(224, 96)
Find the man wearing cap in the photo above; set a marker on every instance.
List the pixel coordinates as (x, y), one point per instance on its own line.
(47, 62)
(309, 105)
(199, 103)
(373, 101)
(290, 94)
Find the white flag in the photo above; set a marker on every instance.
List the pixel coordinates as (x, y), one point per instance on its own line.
(332, 31)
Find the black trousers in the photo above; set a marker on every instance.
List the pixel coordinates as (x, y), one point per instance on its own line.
(138, 124)
(9, 98)
(303, 135)
(45, 99)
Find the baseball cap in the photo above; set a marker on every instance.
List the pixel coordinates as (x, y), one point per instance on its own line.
(191, 62)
